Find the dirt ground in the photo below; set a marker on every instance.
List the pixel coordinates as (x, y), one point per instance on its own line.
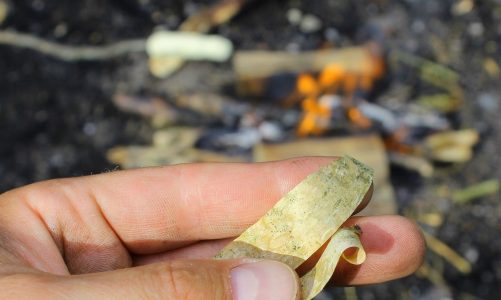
(57, 118)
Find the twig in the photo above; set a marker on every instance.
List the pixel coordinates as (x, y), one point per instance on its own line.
(447, 253)
(212, 16)
(478, 190)
(71, 53)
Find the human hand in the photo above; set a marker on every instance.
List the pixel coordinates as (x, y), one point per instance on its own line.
(151, 233)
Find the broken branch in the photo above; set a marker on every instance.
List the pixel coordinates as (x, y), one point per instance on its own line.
(71, 53)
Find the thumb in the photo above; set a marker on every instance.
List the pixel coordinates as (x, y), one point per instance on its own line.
(192, 279)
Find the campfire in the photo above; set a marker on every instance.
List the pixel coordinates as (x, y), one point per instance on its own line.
(282, 97)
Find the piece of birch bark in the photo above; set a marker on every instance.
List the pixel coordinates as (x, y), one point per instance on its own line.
(305, 219)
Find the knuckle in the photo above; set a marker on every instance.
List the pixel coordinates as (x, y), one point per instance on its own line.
(190, 280)
(53, 190)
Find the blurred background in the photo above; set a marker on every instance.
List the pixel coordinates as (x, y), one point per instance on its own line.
(410, 87)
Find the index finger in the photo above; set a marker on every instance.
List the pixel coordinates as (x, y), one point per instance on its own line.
(157, 209)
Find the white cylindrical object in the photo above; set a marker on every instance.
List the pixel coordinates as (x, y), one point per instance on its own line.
(189, 46)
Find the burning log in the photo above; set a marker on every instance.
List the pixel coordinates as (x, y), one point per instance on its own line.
(350, 66)
(344, 71)
(262, 64)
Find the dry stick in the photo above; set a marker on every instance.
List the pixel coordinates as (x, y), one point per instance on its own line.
(72, 53)
(478, 190)
(447, 253)
(212, 16)
(262, 64)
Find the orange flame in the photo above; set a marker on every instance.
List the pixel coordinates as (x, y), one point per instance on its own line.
(331, 75)
(358, 118)
(316, 117)
(307, 85)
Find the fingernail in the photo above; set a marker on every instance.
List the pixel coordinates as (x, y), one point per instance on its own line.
(266, 280)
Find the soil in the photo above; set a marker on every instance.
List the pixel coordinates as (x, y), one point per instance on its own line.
(57, 118)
